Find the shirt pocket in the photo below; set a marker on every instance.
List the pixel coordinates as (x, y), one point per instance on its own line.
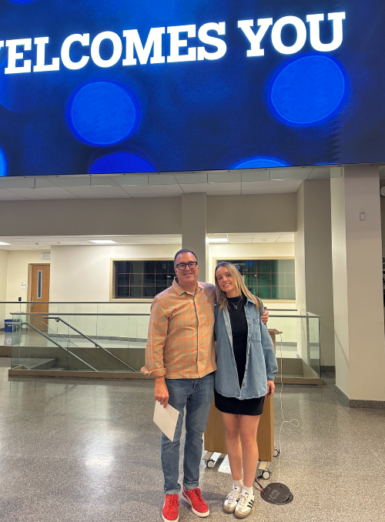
(256, 330)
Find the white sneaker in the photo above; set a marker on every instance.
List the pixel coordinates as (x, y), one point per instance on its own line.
(231, 501)
(244, 506)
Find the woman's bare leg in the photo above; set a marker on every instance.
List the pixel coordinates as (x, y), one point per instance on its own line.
(233, 444)
(248, 427)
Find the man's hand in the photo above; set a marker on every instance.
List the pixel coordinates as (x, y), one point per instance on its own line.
(265, 316)
(161, 391)
(270, 388)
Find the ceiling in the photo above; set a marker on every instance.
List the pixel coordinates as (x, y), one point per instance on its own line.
(234, 182)
(45, 243)
(213, 183)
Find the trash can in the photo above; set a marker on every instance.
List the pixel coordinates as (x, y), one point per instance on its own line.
(8, 325)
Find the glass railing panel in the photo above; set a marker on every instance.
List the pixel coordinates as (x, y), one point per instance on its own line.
(125, 336)
(83, 353)
(126, 307)
(33, 348)
(112, 336)
(297, 344)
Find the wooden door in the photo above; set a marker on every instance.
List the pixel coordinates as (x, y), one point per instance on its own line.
(39, 294)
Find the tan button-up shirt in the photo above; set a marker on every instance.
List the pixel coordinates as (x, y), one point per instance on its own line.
(180, 343)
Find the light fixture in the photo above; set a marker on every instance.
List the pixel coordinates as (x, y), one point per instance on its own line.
(103, 241)
(218, 240)
(3, 244)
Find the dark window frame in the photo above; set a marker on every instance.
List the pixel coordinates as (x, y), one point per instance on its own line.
(140, 279)
(270, 274)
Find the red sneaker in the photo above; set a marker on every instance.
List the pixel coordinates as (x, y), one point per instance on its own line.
(198, 505)
(170, 508)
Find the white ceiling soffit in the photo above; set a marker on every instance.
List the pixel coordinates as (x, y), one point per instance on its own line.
(234, 182)
(45, 243)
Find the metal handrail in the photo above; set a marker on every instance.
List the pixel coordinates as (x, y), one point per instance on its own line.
(83, 313)
(134, 301)
(126, 302)
(58, 345)
(57, 319)
(308, 314)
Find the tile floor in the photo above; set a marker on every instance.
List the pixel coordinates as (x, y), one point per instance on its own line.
(73, 451)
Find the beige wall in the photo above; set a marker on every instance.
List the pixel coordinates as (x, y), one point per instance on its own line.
(300, 273)
(382, 201)
(3, 283)
(357, 275)
(82, 273)
(253, 251)
(17, 273)
(194, 228)
(90, 217)
(252, 213)
(314, 260)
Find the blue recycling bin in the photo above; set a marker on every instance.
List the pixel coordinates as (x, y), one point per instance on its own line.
(8, 325)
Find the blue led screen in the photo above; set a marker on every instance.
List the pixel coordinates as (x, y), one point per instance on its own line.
(105, 86)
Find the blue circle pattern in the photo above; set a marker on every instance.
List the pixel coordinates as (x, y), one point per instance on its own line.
(3, 164)
(102, 114)
(21, 93)
(259, 162)
(120, 162)
(308, 91)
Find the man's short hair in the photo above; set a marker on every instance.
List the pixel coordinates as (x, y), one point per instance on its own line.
(185, 251)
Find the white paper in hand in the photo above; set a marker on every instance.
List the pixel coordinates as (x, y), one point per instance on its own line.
(166, 419)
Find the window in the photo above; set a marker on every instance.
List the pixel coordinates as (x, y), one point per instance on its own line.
(268, 278)
(141, 279)
(39, 292)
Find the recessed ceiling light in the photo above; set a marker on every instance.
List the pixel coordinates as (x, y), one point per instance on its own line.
(218, 240)
(1, 243)
(103, 241)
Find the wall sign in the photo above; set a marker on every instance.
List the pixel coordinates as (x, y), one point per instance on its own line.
(147, 86)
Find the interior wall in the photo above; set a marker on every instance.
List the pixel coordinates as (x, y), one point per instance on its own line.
(300, 271)
(382, 202)
(233, 251)
(82, 273)
(252, 213)
(17, 273)
(95, 217)
(3, 283)
(314, 275)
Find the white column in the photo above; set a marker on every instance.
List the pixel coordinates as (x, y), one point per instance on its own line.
(313, 257)
(357, 282)
(194, 227)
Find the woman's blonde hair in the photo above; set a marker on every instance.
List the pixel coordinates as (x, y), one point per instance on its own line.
(237, 278)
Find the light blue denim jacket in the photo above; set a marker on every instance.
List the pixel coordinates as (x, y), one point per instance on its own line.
(261, 363)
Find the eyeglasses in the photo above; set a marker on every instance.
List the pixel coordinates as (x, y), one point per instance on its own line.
(183, 266)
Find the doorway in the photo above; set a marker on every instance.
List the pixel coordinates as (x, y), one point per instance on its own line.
(39, 294)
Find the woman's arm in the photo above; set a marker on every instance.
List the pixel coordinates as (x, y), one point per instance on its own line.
(268, 352)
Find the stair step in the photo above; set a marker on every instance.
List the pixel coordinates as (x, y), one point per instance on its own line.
(36, 363)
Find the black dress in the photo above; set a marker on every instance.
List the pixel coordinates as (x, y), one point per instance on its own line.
(240, 331)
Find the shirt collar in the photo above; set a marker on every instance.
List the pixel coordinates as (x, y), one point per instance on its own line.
(179, 290)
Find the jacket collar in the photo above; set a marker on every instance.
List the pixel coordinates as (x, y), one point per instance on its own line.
(179, 290)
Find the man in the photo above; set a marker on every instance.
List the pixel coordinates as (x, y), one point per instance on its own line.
(181, 357)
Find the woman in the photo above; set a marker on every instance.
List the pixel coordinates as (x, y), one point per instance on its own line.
(246, 366)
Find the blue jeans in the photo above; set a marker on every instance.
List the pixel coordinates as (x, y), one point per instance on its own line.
(196, 395)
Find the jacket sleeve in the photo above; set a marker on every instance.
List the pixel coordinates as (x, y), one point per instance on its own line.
(268, 352)
(156, 339)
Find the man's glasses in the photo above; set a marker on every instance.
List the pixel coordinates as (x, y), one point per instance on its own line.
(183, 266)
